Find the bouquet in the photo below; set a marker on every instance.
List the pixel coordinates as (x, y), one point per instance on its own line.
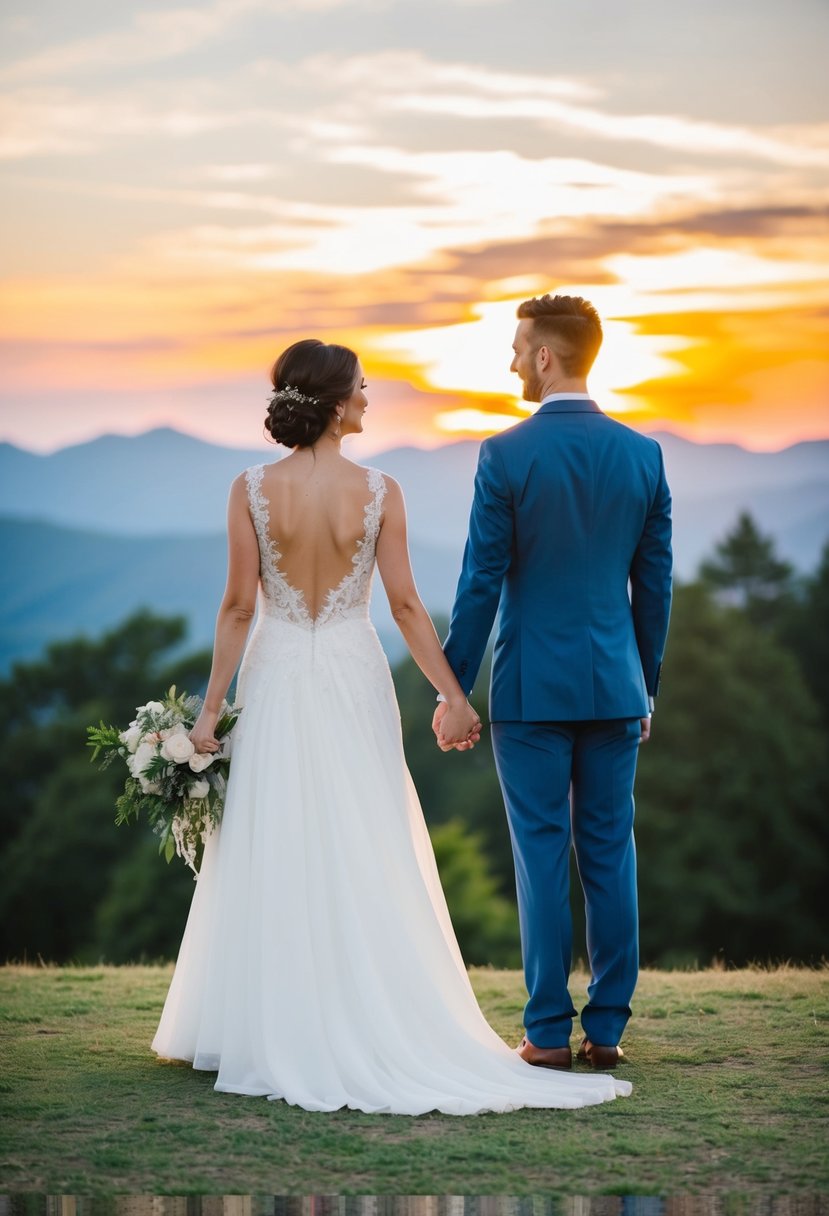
(180, 790)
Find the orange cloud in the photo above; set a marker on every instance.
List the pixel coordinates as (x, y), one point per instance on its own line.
(760, 378)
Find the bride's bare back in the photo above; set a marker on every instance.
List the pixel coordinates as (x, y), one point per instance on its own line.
(316, 520)
(304, 535)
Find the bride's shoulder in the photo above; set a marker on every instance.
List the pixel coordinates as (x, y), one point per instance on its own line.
(380, 480)
(243, 481)
(252, 475)
(377, 479)
(246, 486)
(388, 495)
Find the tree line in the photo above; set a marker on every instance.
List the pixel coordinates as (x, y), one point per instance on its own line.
(731, 791)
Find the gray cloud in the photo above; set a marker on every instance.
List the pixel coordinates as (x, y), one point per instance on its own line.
(756, 222)
(575, 252)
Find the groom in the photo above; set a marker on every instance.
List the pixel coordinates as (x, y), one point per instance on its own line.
(570, 533)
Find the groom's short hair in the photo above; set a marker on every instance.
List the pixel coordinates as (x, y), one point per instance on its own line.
(570, 325)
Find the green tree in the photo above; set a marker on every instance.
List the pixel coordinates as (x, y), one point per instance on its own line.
(486, 924)
(142, 912)
(746, 573)
(105, 678)
(730, 821)
(731, 797)
(59, 842)
(806, 633)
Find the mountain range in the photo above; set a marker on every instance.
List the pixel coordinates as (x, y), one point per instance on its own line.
(93, 531)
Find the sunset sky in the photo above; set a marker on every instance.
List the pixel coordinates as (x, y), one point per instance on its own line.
(189, 189)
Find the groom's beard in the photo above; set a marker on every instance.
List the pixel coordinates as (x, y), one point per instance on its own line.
(532, 387)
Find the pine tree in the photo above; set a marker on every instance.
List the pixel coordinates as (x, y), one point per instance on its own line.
(59, 847)
(806, 633)
(745, 572)
(731, 797)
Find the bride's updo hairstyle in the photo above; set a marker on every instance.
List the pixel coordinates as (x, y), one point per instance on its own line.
(309, 379)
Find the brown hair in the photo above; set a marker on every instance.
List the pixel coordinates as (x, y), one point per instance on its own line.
(570, 325)
(309, 379)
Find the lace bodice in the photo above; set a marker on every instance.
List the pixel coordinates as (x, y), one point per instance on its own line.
(351, 595)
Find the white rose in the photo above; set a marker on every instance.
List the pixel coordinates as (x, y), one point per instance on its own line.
(144, 753)
(199, 789)
(199, 761)
(177, 748)
(149, 787)
(152, 707)
(131, 737)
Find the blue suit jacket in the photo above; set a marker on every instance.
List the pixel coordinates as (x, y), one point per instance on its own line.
(570, 532)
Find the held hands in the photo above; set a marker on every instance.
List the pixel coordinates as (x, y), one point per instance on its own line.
(456, 726)
(202, 735)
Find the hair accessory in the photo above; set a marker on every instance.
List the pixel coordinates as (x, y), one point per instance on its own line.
(293, 396)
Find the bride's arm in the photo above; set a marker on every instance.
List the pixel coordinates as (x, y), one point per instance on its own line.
(235, 613)
(460, 720)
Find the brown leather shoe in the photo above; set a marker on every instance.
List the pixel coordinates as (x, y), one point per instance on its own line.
(545, 1057)
(598, 1056)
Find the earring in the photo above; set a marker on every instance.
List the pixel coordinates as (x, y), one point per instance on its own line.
(338, 432)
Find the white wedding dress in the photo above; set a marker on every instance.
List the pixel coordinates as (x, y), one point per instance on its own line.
(319, 964)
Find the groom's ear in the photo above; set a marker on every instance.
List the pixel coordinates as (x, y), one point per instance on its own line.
(547, 357)
(543, 359)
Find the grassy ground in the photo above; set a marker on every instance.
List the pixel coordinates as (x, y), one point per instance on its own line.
(730, 1098)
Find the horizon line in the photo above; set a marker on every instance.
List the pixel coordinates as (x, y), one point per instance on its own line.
(379, 451)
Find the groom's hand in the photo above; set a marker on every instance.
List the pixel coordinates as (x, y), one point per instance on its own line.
(463, 745)
(645, 723)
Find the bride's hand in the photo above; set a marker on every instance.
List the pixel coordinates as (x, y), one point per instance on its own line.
(202, 736)
(456, 725)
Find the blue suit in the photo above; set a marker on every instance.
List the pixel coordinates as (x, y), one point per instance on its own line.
(570, 534)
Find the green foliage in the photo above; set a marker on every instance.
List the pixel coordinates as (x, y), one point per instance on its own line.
(746, 573)
(806, 632)
(55, 868)
(106, 739)
(104, 678)
(486, 924)
(731, 793)
(731, 797)
(59, 846)
(142, 912)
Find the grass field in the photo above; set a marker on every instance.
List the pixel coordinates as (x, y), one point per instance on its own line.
(730, 1099)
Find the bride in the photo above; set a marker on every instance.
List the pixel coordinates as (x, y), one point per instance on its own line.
(318, 963)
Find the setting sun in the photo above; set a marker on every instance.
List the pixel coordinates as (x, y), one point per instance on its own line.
(474, 357)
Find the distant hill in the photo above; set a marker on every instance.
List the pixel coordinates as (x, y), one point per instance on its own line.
(167, 483)
(160, 482)
(59, 582)
(95, 530)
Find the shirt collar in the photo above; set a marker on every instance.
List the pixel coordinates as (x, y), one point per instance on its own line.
(566, 397)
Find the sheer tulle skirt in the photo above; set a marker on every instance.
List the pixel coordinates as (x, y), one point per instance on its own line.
(319, 963)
